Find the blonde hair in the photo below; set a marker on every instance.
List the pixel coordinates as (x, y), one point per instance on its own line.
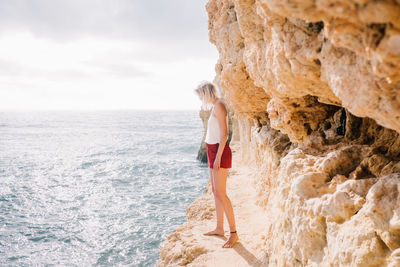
(207, 91)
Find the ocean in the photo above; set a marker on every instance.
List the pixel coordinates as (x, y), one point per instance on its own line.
(95, 188)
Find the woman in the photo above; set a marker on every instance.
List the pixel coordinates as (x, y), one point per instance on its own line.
(219, 157)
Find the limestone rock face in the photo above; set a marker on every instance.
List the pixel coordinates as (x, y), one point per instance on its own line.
(281, 55)
(315, 90)
(316, 71)
(330, 200)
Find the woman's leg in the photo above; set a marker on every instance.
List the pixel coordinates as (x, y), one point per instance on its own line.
(219, 230)
(220, 177)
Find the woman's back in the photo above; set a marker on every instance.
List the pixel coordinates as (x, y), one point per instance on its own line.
(213, 134)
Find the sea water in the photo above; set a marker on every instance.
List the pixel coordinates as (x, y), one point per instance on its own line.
(95, 188)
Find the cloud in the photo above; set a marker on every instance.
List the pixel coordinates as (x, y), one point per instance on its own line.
(9, 68)
(120, 70)
(117, 70)
(74, 61)
(103, 53)
(173, 28)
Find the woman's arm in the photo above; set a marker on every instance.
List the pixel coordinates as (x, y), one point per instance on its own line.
(220, 112)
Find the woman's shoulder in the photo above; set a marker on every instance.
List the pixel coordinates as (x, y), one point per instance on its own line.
(220, 106)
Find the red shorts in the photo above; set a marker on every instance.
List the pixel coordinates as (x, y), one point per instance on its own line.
(226, 158)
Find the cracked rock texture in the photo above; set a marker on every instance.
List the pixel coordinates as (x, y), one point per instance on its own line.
(315, 90)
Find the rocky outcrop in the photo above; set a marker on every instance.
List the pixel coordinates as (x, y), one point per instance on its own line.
(315, 87)
(295, 58)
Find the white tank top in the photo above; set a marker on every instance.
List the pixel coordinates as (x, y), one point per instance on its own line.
(213, 134)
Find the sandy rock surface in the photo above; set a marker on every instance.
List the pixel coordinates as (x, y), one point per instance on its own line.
(315, 91)
(188, 246)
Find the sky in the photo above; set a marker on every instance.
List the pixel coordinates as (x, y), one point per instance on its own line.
(103, 54)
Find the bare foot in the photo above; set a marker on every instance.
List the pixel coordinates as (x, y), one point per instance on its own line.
(231, 241)
(215, 232)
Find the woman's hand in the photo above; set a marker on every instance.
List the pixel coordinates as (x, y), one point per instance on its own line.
(217, 163)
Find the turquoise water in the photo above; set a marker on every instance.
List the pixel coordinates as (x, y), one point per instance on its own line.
(100, 188)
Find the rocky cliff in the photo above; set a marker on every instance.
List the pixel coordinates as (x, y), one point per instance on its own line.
(315, 90)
